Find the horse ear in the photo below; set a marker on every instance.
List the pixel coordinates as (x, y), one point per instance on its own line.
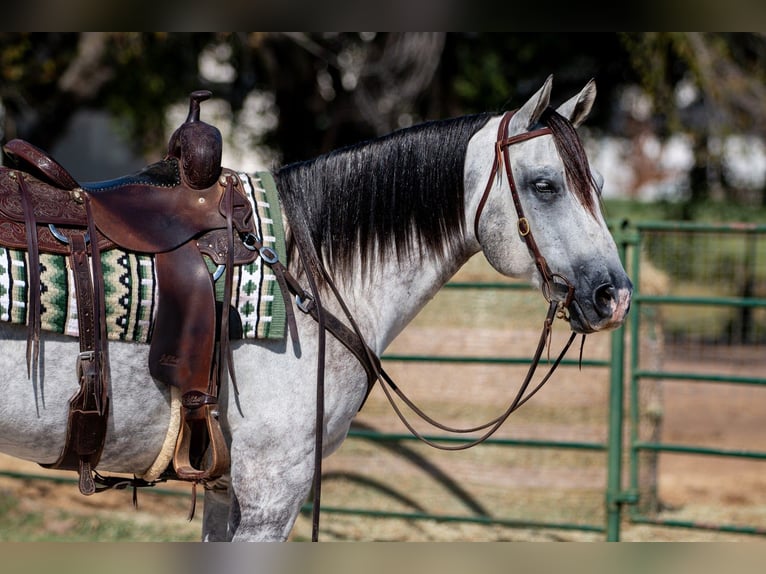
(529, 114)
(577, 108)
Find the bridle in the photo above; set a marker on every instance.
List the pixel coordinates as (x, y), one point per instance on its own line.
(556, 288)
(502, 157)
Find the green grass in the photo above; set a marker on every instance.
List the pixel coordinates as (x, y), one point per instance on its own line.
(22, 520)
(706, 212)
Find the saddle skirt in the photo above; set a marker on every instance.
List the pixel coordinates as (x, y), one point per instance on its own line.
(130, 282)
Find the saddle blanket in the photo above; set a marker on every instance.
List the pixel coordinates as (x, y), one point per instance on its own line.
(130, 282)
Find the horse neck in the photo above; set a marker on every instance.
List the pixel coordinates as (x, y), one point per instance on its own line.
(388, 299)
(402, 192)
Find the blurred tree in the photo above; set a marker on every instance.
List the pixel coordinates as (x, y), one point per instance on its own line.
(334, 89)
(47, 77)
(707, 85)
(331, 89)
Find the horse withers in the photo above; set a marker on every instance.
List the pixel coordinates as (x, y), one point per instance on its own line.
(389, 221)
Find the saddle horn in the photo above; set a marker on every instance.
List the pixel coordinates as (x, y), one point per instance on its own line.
(197, 145)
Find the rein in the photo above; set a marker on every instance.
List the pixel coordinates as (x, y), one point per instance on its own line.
(493, 425)
(557, 290)
(559, 295)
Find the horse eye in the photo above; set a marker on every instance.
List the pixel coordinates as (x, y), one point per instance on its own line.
(544, 186)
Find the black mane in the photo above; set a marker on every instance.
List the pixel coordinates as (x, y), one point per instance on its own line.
(400, 191)
(393, 193)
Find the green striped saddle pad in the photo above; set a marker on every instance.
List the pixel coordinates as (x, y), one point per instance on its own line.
(130, 282)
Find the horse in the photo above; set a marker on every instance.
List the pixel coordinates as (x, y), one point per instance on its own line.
(391, 220)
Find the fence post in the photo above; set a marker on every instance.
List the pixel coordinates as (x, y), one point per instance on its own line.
(614, 489)
(614, 449)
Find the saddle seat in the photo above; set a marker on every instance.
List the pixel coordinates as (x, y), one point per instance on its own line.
(179, 210)
(151, 211)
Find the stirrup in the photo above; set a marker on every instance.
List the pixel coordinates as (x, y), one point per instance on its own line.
(85, 482)
(217, 452)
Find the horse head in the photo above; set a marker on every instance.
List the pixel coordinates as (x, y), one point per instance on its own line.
(535, 203)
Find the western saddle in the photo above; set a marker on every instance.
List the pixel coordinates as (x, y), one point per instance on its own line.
(180, 209)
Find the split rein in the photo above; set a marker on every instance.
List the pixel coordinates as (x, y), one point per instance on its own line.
(556, 288)
(493, 425)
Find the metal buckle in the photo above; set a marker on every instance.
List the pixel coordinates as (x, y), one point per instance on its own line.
(561, 291)
(63, 238)
(84, 356)
(268, 255)
(305, 303)
(249, 240)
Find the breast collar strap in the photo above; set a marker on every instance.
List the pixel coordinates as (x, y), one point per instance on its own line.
(564, 292)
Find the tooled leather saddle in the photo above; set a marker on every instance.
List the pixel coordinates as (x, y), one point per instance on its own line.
(184, 210)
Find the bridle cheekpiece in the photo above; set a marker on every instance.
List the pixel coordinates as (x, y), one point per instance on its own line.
(562, 291)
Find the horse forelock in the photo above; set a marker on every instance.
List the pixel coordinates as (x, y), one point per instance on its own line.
(401, 193)
(575, 160)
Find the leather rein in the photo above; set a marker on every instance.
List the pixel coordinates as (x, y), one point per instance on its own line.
(556, 289)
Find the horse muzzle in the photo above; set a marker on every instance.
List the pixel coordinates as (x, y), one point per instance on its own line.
(601, 308)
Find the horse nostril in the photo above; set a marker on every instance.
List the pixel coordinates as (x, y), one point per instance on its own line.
(603, 298)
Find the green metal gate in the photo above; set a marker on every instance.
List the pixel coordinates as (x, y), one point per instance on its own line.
(684, 253)
(712, 309)
(715, 305)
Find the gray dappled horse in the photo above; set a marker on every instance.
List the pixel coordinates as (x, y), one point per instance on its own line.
(393, 220)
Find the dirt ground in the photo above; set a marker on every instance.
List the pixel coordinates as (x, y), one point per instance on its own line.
(563, 486)
(519, 483)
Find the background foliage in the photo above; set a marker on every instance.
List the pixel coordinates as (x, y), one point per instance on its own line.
(332, 89)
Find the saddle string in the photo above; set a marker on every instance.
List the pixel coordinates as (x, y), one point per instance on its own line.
(226, 358)
(100, 337)
(34, 321)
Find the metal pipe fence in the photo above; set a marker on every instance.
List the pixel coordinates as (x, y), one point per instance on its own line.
(726, 278)
(713, 305)
(624, 446)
